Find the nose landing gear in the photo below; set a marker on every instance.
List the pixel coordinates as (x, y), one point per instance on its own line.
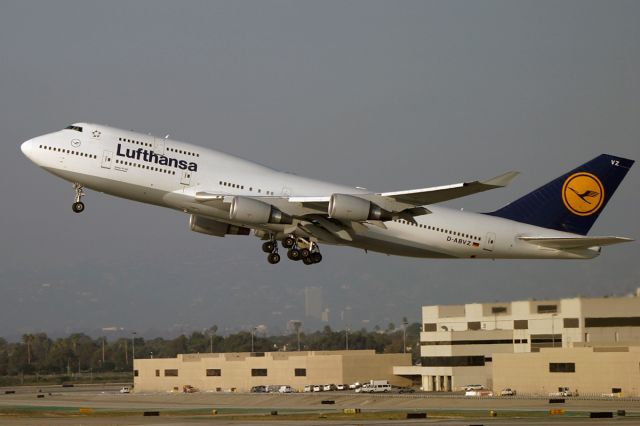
(78, 206)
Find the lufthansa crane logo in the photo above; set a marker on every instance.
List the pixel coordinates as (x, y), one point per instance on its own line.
(583, 194)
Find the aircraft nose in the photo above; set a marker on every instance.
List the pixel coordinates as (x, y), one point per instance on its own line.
(27, 148)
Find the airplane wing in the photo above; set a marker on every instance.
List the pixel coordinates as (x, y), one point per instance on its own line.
(565, 243)
(438, 194)
(312, 211)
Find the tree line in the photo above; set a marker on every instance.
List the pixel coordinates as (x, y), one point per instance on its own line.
(78, 353)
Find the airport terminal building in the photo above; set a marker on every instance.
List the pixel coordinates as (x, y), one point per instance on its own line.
(241, 371)
(461, 344)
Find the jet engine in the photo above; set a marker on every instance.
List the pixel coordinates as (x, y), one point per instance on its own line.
(248, 210)
(208, 226)
(349, 207)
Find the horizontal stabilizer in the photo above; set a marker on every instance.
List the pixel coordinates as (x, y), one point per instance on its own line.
(565, 243)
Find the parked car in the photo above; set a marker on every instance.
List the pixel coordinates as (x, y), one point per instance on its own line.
(286, 389)
(308, 388)
(317, 388)
(355, 385)
(342, 387)
(564, 391)
(473, 387)
(330, 387)
(125, 389)
(259, 389)
(508, 392)
(406, 390)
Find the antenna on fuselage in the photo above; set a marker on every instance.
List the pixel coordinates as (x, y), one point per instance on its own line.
(167, 136)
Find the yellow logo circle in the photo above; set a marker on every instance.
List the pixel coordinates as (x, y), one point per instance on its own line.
(583, 194)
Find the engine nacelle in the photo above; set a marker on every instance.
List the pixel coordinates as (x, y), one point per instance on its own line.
(204, 225)
(349, 207)
(248, 210)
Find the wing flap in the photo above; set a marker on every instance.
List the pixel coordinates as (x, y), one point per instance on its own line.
(565, 243)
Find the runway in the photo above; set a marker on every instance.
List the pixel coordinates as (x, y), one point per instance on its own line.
(104, 405)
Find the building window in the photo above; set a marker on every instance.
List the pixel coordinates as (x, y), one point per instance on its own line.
(547, 309)
(562, 367)
(473, 325)
(135, 373)
(430, 327)
(171, 372)
(453, 361)
(498, 310)
(301, 372)
(157, 373)
(612, 322)
(258, 372)
(520, 324)
(214, 372)
(571, 322)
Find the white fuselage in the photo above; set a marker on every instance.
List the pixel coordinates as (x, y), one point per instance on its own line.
(122, 163)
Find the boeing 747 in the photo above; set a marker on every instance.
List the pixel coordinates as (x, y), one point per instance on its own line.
(226, 195)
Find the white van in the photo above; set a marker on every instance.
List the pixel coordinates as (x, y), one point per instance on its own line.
(371, 388)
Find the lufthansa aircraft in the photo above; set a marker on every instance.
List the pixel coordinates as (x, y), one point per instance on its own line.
(225, 195)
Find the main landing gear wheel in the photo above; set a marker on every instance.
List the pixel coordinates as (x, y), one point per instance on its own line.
(288, 242)
(269, 247)
(78, 207)
(305, 253)
(316, 257)
(294, 254)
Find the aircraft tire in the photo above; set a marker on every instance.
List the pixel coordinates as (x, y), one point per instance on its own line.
(307, 260)
(273, 258)
(78, 207)
(316, 257)
(288, 242)
(305, 253)
(268, 246)
(293, 254)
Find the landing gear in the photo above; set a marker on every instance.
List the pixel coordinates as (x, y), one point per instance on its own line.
(301, 249)
(78, 205)
(298, 249)
(294, 254)
(288, 242)
(271, 247)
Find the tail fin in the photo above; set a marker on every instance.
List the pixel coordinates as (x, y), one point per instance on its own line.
(572, 202)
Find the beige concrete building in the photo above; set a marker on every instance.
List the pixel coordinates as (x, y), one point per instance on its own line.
(241, 371)
(459, 342)
(587, 370)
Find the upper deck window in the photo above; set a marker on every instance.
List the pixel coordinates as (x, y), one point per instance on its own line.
(76, 128)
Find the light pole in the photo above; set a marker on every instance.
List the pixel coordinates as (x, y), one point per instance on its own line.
(346, 338)
(253, 329)
(133, 348)
(404, 335)
(553, 330)
(212, 332)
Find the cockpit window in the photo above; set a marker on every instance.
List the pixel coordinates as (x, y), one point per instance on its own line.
(76, 128)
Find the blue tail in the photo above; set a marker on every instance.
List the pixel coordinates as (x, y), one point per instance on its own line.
(572, 202)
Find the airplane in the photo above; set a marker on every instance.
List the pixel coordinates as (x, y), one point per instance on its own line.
(227, 195)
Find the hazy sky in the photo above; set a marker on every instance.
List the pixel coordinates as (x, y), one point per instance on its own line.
(387, 95)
